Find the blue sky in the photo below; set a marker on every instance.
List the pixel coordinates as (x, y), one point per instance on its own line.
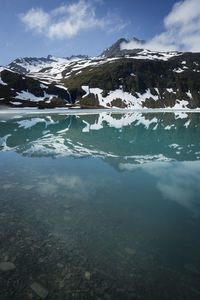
(62, 28)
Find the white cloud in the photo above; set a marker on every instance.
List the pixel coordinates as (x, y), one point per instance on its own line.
(182, 30)
(36, 19)
(68, 20)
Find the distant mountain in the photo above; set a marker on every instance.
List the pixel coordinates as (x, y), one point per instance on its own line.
(26, 64)
(33, 64)
(79, 56)
(133, 79)
(115, 49)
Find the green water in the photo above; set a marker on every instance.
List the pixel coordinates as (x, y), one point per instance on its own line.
(102, 206)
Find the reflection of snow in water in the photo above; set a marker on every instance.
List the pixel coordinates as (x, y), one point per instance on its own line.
(142, 159)
(58, 135)
(33, 121)
(113, 120)
(59, 146)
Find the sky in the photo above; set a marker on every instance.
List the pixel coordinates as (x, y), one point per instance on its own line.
(36, 28)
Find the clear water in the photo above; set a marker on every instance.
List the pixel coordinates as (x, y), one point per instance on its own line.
(102, 206)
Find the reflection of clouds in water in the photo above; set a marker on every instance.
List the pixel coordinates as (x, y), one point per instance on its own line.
(181, 183)
(176, 181)
(60, 146)
(69, 185)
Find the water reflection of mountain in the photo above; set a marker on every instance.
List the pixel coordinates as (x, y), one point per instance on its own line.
(116, 138)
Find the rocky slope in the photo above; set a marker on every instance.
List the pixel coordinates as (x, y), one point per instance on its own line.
(17, 90)
(118, 78)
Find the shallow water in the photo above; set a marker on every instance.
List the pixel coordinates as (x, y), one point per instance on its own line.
(101, 206)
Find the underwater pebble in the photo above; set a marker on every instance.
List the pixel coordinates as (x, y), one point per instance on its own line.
(191, 268)
(27, 187)
(129, 251)
(87, 275)
(39, 290)
(7, 186)
(7, 266)
(61, 284)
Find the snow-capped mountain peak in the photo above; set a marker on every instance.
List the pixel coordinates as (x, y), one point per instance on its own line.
(115, 49)
(34, 64)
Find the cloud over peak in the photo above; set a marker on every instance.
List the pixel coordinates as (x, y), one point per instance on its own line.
(182, 30)
(68, 20)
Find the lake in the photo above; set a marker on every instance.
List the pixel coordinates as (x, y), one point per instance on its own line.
(100, 206)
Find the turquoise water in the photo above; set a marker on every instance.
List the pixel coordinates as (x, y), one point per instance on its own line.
(103, 206)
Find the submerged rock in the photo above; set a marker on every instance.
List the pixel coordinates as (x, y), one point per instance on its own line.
(191, 268)
(27, 187)
(130, 251)
(87, 275)
(7, 266)
(39, 290)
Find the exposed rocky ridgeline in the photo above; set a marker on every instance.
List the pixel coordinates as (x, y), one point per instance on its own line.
(118, 78)
(23, 65)
(33, 64)
(115, 49)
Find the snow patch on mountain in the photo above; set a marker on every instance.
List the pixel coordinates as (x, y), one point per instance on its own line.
(153, 55)
(128, 99)
(181, 104)
(1, 81)
(25, 95)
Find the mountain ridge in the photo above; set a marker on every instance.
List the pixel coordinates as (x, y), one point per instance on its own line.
(23, 64)
(115, 49)
(137, 79)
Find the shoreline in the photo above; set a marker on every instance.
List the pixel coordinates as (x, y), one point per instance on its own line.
(93, 111)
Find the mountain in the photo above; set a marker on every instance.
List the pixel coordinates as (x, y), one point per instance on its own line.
(36, 82)
(133, 79)
(28, 64)
(115, 49)
(18, 90)
(33, 64)
(144, 80)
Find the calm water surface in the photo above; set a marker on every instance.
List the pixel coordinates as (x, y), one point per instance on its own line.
(102, 206)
